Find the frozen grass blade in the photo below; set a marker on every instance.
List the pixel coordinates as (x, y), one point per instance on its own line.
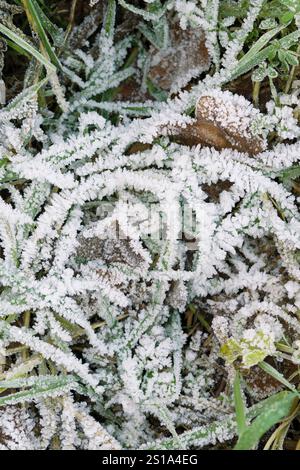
(27, 47)
(270, 416)
(26, 95)
(257, 53)
(147, 15)
(38, 24)
(290, 173)
(138, 311)
(218, 430)
(110, 17)
(56, 33)
(40, 387)
(239, 405)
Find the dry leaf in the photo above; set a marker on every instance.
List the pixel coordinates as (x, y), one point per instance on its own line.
(186, 57)
(222, 122)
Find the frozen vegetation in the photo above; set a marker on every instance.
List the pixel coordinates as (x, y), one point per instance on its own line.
(149, 224)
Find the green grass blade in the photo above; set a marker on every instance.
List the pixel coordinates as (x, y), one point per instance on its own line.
(287, 41)
(110, 16)
(27, 47)
(268, 418)
(41, 381)
(257, 54)
(147, 15)
(44, 386)
(38, 22)
(244, 66)
(292, 173)
(18, 49)
(54, 31)
(262, 42)
(207, 432)
(239, 405)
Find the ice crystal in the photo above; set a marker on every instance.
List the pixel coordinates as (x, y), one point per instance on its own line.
(142, 241)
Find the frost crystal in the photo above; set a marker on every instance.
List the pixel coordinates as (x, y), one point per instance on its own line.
(149, 235)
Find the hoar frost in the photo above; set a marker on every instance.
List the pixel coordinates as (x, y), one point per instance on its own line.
(137, 270)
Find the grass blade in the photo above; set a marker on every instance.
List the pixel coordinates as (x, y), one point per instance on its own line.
(268, 418)
(292, 173)
(42, 386)
(147, 15)
(34, 382)
(253, 60)
(110, 16)
(257, 54)
(239, 405)
(27, 47)
(25, 95)
(54, 31)
(287, 41)
(205, 434)
(38, 24)
(262, 42)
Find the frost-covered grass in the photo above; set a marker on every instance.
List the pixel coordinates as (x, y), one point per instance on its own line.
(149, 224)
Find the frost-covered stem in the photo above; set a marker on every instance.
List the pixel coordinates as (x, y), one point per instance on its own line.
(255, 95)
(292, 74)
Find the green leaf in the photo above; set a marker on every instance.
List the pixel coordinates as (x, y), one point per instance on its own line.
(271, 72)
(289, 40)
(292, 5)
(252, 358)
(239, 404)
(259, 74)
(292, 173)
(3, 162)
(272, 53)
(287, 17)
(38, 22)
(291, 58)
(268, 23)
(257, 54)
(147, 15)
(110, 16)
(155, 91)
(27, 47)
(231, 350)
(56, 33)
(41, 386)
(269, 417)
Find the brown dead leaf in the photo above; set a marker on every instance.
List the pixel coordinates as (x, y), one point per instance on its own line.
(207, 111)
(209, 130)
(138, 147)
(131, 90)
(260, 383)
(186, 57)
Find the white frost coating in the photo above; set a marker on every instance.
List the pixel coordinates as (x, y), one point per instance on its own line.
(114, 238)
